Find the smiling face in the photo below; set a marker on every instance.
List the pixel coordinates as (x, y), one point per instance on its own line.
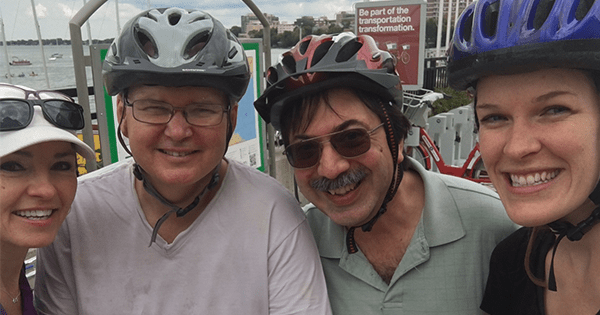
(348, 190)
(539, 139)
(176, 154)
(37, 187)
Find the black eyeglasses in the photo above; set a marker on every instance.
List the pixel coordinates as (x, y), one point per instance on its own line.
(16, 110)
(348, 143)
(158, 113)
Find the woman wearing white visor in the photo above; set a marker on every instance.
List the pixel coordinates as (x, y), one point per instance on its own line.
(38, 180)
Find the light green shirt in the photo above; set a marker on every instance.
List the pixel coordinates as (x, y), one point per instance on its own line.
(445, 267)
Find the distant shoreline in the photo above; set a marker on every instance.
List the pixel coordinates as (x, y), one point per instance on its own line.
(51, 42)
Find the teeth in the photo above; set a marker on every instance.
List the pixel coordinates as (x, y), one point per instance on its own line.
(176, 154)
(35, 214)
(342, 190)
(532, 179)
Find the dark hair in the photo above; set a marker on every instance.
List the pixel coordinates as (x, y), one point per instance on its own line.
(299, 113)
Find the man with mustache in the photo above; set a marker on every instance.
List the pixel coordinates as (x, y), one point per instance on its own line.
(393, 238)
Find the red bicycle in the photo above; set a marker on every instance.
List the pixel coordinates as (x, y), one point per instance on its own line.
(416, 108)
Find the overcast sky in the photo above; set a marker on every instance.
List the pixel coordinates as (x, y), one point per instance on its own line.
(54, 15)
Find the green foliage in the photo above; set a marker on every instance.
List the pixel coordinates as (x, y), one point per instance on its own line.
(236, 30)
(458, 99)
(431, 32)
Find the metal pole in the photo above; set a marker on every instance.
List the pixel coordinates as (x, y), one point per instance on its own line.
(39, 34)
(448, 23)
(456, 12)
(439, 30)
(118, 20)
(4, 43)
(89, 29)
(267, 50)
(79, 62)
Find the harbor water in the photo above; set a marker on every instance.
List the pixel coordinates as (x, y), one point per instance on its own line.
(60, 71)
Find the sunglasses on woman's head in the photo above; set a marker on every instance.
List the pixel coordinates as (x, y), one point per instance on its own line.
(16, 110)
(348, 143)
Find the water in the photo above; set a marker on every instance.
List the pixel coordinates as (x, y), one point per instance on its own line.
(60, 71)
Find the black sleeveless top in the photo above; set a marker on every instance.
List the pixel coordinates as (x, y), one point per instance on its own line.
(509, 291)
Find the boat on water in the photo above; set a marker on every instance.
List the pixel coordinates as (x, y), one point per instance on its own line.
(19, 62)
(55, 56)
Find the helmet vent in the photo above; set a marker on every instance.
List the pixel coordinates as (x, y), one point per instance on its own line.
(136, 61)
(304, 46)
(200, 18)
(583, 8)
(320, 52)
(348, 51)
(147, 44)
(540, 12)
(289, 64)
(113, 48)
(195, 45)
(232, 52)
(174, 18)
(468, 27)
(272, 76)
(490, 19)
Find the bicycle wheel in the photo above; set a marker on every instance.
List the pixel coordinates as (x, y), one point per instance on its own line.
(421, 155)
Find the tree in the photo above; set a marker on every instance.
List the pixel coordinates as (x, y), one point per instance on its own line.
(431, 32)
(334, 29)
(236, 30)
(288, 39)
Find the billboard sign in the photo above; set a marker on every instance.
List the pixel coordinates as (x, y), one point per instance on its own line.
(398, 27)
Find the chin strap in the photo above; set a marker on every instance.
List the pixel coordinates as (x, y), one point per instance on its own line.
(398, 170)
(139, 174)
(572, 232)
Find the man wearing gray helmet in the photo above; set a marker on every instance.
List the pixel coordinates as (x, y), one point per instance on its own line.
(224, 238)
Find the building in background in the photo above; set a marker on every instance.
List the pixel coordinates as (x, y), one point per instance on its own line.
(250, 22)
(345, 20)
(433, 8)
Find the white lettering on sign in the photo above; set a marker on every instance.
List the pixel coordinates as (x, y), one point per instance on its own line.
(385, 19)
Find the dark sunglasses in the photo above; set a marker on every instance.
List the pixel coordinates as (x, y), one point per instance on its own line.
(348, 143)
(16, 109)
(17, 114)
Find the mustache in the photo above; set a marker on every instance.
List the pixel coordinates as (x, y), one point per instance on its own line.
(347, 178)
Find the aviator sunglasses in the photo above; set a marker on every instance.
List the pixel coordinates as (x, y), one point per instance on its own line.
(16, 110)
(348, 143)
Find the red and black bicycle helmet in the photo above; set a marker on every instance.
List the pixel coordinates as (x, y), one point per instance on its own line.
(321, 62)
(511, 36)
(176, 47)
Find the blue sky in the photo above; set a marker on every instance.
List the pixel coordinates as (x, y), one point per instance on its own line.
(54, 15)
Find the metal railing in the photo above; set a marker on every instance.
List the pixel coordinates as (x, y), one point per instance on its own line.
(436, 74)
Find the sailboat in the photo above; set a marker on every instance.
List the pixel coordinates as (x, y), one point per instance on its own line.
(55, 56)
(16, 61)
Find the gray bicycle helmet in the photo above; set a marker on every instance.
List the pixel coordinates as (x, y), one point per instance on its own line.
(176, 47)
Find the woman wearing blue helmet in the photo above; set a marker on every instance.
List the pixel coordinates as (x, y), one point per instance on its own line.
(534, 68)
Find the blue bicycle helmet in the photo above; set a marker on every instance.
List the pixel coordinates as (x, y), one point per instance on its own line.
(512, 36)
(495, 37)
